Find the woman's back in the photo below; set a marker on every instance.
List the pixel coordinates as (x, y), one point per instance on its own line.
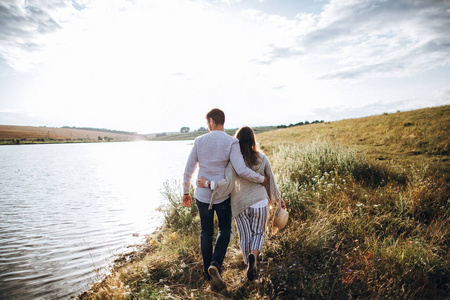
(246, 193)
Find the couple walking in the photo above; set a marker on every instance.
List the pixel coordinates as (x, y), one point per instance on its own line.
(235, 180)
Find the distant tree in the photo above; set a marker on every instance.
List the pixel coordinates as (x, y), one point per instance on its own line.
(184, 129)
(202, 129)
(100, 138)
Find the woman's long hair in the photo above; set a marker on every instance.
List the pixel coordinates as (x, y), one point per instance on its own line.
(247, 142)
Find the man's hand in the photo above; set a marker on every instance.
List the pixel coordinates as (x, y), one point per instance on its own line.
(187, 200)
(265, 181)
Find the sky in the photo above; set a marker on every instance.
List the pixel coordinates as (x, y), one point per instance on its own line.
(158, 65)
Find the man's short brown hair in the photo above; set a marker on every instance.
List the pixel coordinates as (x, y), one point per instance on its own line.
(217, 115)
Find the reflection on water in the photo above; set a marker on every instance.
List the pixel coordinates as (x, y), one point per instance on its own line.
(69, 208)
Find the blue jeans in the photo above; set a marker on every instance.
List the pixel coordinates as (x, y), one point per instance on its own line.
(223, 212)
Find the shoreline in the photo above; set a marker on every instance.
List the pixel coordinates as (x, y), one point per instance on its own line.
(368, 209)
(46, 142)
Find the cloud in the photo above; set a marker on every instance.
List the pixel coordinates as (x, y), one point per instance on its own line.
(284, 52)
(442, 96)
(25, 27)
(22, 21)
(367, 39)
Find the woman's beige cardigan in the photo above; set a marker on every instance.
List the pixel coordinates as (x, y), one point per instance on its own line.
(245, 193)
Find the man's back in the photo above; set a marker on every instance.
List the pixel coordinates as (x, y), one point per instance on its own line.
(212, 152)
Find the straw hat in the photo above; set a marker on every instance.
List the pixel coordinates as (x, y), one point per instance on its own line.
(280, 219)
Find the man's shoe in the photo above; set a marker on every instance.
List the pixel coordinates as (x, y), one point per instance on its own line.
(251, 270)
(217, 282)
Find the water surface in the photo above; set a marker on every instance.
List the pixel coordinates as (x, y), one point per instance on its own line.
(68, 209)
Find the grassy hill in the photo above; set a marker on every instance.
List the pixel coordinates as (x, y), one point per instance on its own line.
(369, 219)
(30, 134)
(399, 138)
(178, 136)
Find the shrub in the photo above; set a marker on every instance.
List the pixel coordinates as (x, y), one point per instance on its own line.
(176, 216)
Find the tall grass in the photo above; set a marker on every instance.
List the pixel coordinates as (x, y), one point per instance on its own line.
(357, 229)
(362, 229)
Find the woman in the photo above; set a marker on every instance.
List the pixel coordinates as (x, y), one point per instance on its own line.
(249, 200)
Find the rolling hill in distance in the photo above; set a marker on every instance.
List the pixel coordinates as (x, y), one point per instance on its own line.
(417, 132)
(402, 137)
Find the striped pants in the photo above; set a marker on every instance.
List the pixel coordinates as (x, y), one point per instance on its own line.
(251, 225)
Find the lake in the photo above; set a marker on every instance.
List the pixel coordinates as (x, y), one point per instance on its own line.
(69, 209)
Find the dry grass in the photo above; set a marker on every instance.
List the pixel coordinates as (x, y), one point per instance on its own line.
(402, 137)
(29, 134)
(359, 227)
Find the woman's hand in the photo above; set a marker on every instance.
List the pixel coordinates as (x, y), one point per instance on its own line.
(283, 204)
(201, 182)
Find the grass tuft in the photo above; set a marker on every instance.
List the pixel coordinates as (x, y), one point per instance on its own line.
(359, 228)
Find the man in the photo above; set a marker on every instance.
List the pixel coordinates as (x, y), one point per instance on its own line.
(212, 152)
